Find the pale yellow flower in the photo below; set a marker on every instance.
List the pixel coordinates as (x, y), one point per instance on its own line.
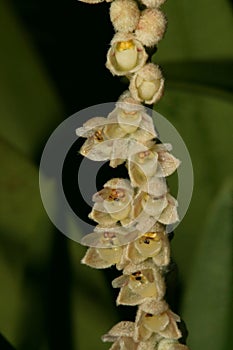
(126, 54)
(138, 283)
(156, 317)
(122, 336)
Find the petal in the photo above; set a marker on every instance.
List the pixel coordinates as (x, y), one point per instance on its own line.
(169, 215)
(155, 186)
(90, 126)
(167, 164)
(156, 323)
(154, 206)
(93, 259)
(171, 344)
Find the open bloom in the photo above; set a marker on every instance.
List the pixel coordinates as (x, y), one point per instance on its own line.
(149, 209)
(126, 54)
(147, 84)
(138, 283)
(109, 237)
(156, 317)
(122, 337)
(147, 168)
(154, 244)
(113, 203)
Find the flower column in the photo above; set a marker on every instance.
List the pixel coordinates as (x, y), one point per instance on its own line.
(132, 214)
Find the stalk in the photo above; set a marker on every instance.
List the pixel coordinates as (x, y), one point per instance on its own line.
(133, 215)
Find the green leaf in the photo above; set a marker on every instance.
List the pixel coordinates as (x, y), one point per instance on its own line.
(197, 30)
(208, 298)
(205, 124)
(29, 107)
(94, 311)
(25, 235)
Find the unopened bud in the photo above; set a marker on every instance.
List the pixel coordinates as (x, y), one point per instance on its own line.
(124, 15)
(152, 3)
(151, 27)
(147, 84)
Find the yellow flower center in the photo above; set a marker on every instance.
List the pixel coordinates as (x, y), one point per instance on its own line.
(125, 45)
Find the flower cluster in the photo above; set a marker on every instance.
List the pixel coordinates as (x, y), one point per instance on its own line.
(132, 214)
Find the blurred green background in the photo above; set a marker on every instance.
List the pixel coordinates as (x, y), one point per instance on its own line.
(52, 56)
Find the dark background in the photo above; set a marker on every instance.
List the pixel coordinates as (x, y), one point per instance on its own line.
(52, 65)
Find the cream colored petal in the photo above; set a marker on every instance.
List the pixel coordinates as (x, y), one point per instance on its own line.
(155, 186)
(156, 323)
(145, 288)
(115, 162)
(127, 297)
(163, 257)
(90, 126)
(137, 176)
(128, 343)
(141, 333)
(121, 329)
(102, 218)
(169, 215)
(111, 255)
(167, 164)
(100, 240)
(133, 254)
(129, 121)
(119, 183)
(93, 259)
(114, 131)
(99, 151)
(148, 125)
(116, 345)
(154, 206)
(171, 344)
(154, 306)
(171, 331)
(129, 104)
(149, 245)
(150, 344)
(162, 147)
(120, 281)
(145, 222)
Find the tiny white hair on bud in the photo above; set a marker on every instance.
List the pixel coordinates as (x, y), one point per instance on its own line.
(153, 3)
(124, 15)
(151, 27)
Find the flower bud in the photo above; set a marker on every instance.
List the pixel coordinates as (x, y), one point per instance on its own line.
(151, 27)
(152, 3)
(126, 54)
(124, 15)
(147, 84)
